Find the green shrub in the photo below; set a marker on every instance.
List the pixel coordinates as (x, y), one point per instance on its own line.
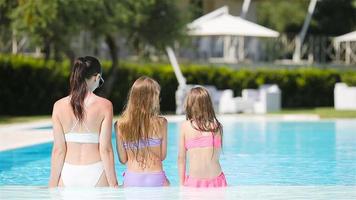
(349, 77)
(31, 86)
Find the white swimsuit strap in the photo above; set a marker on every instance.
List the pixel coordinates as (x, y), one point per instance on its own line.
(86, 127)
(82, 137)
(89, 137)
(75, 124)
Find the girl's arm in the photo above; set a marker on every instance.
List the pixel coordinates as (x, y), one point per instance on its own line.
(164, 139)
(181, 156)
(121, 151)
(59, 149)
(105, 146)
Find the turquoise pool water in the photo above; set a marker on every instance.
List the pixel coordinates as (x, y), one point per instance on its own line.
(255, 153)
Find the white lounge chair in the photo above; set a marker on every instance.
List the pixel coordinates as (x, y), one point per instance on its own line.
(263, 100)
(269, 99)
(344, 97)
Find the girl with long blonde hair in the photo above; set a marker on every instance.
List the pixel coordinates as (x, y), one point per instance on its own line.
(201, 141)
(141, 136)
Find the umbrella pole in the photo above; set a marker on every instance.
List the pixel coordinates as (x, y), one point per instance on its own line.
(300, 37)
(241, 48)
(348, 53)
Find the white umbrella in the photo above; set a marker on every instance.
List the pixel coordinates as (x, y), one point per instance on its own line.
(221, 23)
(346, 37)
(349, 50)
(228, 25)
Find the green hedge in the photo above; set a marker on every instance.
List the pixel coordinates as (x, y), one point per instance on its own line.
(31, 86)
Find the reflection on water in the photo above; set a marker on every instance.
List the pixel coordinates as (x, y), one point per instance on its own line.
(172, 193)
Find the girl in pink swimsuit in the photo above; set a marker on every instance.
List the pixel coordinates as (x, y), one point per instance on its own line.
(141, 136)
(200, 141)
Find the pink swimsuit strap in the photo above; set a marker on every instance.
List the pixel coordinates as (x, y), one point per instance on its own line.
(203, 141)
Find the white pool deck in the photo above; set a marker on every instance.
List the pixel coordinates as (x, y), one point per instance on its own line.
(17, 135)
(172, 193)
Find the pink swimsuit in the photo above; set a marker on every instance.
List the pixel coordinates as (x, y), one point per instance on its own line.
(203, 141)
(199, 142)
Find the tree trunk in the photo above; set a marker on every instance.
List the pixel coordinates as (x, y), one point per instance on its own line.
(47, 49)
(71, 55)
(112, 73)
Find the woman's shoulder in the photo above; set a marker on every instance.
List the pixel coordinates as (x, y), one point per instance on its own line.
(103, 102)
(61, 102)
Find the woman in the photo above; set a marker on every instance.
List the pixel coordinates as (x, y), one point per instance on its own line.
(200, 140)
(142, 136)
(82, 153)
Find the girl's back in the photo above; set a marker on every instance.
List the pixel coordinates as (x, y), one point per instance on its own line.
(203, 150)
(142, 136)
(150, 150)
(200, 142)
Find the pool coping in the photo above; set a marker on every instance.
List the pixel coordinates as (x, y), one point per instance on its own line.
(18, 135)
(176, 192)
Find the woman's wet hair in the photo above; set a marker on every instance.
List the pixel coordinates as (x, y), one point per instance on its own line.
(84, 68)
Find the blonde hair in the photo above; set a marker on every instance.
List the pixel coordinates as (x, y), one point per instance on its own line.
(199, 109)
(138, 119)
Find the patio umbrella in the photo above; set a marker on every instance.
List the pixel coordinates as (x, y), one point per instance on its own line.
(227, 24)
(349, 50)
(221, 23)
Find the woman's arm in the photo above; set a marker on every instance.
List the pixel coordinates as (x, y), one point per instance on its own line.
(105, 147)
(181, 156)
(59, 149)
(121, 151)
(164, 139)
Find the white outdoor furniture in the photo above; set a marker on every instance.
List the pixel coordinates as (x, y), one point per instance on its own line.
(344, 97)
(269, 99)
(215, 95)
(181, 94)
(263, 100)
(227, 102)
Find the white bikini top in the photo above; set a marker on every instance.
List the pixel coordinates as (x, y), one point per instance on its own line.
(88, 137)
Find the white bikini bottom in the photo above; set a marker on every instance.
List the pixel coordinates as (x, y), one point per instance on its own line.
(82, 175)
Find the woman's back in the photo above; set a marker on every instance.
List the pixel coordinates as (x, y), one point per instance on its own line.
(82, 152)
(82, 127)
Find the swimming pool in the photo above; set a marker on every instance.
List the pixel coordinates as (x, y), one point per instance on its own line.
(255, 153)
